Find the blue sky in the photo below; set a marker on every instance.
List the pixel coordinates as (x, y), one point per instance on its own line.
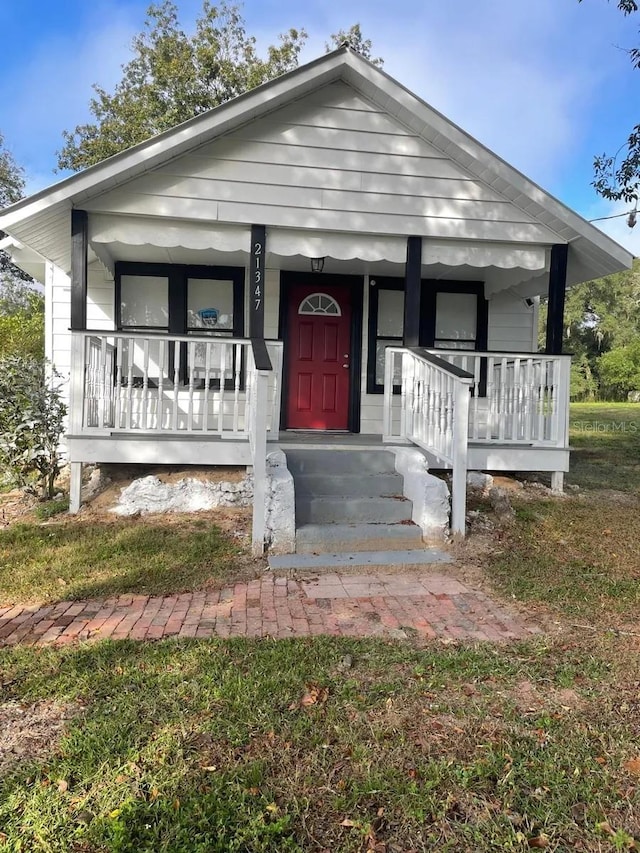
(544, 83)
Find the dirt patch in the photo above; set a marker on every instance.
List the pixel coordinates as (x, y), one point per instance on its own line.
(30, 732)
(529, 699)
(16, 506)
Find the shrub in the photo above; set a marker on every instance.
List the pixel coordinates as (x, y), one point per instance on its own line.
(619, 371)
(31, 422)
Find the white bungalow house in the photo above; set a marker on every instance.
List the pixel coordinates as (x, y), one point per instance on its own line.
(324, 255)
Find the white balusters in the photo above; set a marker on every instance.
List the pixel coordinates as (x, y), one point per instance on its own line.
(525, 399)
(134, 382)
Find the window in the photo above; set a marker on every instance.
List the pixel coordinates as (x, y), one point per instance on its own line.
(456, 320)
(180, 299)
(177, 300)
(386, 327)
(210, 306)
(453, 315)
(144, 302)
(320, 303)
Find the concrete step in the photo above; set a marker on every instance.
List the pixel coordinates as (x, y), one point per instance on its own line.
(348, 485)
(333, 538)
(329, 510)
(369, 560)
(340, 462)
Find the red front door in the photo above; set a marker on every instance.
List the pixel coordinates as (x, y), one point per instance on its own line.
(319, 357)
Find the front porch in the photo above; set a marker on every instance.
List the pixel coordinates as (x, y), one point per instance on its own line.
(177, 399)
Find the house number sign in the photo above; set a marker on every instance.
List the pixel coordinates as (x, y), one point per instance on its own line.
(256, 277)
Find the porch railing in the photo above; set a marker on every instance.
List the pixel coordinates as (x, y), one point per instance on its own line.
(143, 383)
(516, 397)
(433, 414)
(226, 388)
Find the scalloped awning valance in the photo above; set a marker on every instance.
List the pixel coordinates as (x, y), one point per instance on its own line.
(286, 242)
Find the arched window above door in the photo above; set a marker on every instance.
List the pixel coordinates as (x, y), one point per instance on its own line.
(320, 303)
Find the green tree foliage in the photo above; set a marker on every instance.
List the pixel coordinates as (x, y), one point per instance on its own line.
(174, 76)
(21, 306)
(31, 422)
(603, 313)
(617, 177)
(354, 38)
(600, 315)
(620, 371)
(11, 177)
(11, 190)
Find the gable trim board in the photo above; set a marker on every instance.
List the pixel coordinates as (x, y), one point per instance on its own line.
(42, 221)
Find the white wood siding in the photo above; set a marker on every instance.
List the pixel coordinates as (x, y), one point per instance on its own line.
(60, 321)
(332, 161)
(100, 299)
(512, 324)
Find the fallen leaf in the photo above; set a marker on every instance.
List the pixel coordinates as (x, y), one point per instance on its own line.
(176, 804)
(314, 695)
(538, 841)
(605, 828)
(348, 822)
(632, 766)
(272, 808)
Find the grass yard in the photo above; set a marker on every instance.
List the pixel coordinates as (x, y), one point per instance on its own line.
(581, 555)
(334, 744)
(72, 558)
(275, 746)
(605, 438)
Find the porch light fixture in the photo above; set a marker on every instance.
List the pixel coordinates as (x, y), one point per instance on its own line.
(317, 264)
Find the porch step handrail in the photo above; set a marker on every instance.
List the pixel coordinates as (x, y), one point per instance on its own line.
(433, 414)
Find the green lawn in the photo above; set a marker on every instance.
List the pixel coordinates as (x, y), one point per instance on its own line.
(581, 555)
(79, 559)
(260, 746)
(205, 746)
(605, 438)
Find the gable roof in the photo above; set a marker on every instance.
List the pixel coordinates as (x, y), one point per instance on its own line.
(41, 221)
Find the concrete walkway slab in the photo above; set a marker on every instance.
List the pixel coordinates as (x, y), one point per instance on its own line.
(366, 559)
(375, 604)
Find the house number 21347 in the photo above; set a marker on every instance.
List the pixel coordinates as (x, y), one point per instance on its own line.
(257, 293)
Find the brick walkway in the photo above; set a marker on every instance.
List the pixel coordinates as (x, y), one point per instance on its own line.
(375, 604)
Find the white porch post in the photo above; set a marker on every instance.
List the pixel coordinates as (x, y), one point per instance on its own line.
(75, 487)
(460, 451)
(563, 402)
(259, 446)
(76, 414)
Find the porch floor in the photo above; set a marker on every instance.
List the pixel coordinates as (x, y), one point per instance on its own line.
(430, 605)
